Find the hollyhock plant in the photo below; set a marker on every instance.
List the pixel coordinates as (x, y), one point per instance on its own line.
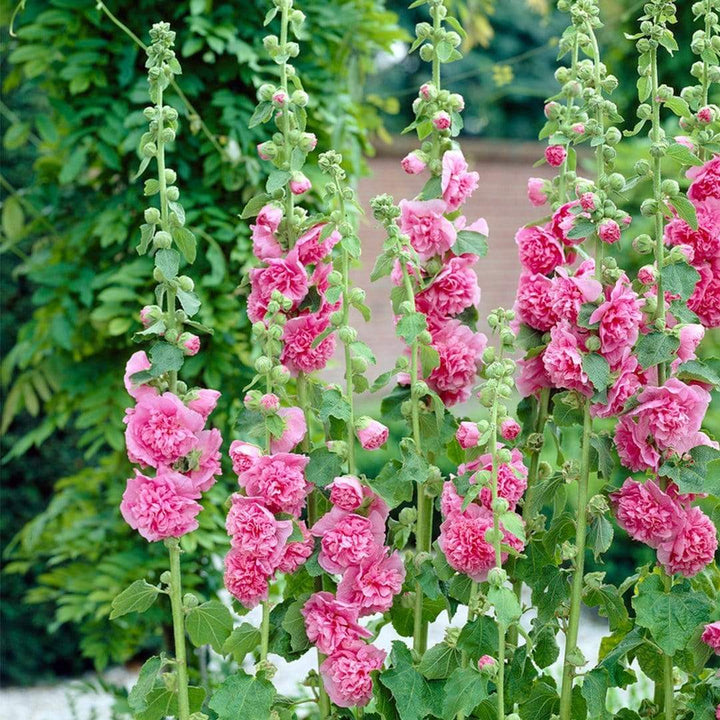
(347, 674)
(301, 353)
(711, 636)
(457, 183)
(265, 243)
(372, 585)
(279, 479)
(454, 289)
(331, 623)
(371, 434)
(539, 250)
(255, 530)
(694, 546)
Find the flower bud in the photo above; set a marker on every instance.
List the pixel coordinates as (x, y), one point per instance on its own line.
(173, 193)
(592, 343)
(186, 283)
(499, 505)
(152, 216)
(497, 576)
(263, 365)
(170, 176)
(162, 240)
(280, 375)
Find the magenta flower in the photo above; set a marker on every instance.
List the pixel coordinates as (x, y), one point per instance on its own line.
(371, 585)
(347, 676)
(429, 231)
(254, 530)
(331, 623)
(279, 480)
(457, 183)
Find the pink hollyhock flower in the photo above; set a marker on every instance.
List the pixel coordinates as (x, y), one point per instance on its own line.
(265, 244)
(146, 316)
(563, 360)
(372, 585)
(512, 477)
(456, 182)
(705, 115)
(486, 662)
(646, 512)
(413, 164)
(569, 292)
(371, 434)
(629, 380)
(450, 501)
(311, 250)
(536, 191)
(279, 480)
(261, 151)
(441, 120)
(347, 676)
(299, 334)
(425, 91)
(467, 435)
(294, 431)
(620, 318)
(563, 221)
(254, 530)
(705, 241)
(202, 401)
(280, 97)
(454, 289)
(246, 578)
(269, 402)
(462, 540)
(631, 441)
(647, 275)
(509, 429)
(346, 492)
(138, 362)
(429, 231)
(555, 155)
(705, 300)
(160, 507)
(204, 461)
(691, 549)
(299, 184)
(711, 636)
(460, 351)
(609, 231)
(161, 430)
(296, 553)
(532, 376)
(578, 129)
(348, 539)
(690, 337)
(286, 275)
(330, 623)
(587, 201)
(685, 141)
(705, 180)
(190, 344)
(243, 455)
(533, 302)
(539, 251)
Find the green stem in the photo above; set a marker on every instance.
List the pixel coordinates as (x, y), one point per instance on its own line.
(668, 684)
(289, 198)
(265, 631)
(562, 184)
(178, 616)
(465, 658)
(571, 637)
(657, 191)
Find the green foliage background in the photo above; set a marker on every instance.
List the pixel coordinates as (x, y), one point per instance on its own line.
(73, 94)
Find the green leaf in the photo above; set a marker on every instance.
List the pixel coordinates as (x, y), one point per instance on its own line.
(186, 242)
(506, 605)
(263, 112)
(513, 523)
(13, 218)
(594, 690)
(541, 703)
(209, 624)
(165, 358)
(443, 51)
(383, 267)
(429, 359)
(469, 241)
(146, 235)
(655, 348)
(243, 697)
(440, 661)
(597, 369)
(168, 263)
(189, 300)
(333, 404)
(136, 598)
(679, 107)
(600, 535)
(410, 326)
(545, 648)
(255, 205)
(241, 641)
(149, 673)
(389, 485)
(680, 279)
(433, 187)
(294, 624)
(610, 605)
(564, 414)
(682, 154)
(479, 637)
(276, 180)
(151, 187)
(699, 474)
(464, 691)
(697, 370)
(324, 467)
(162, 702)
(671, 617)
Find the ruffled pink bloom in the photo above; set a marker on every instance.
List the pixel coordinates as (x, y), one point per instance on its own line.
(191, 345)
(161, 430)
(279, 480)
(536, 191)
(563, 359)
(372, 585)
(294, 431)
(539, 250)
(331, 623)
(287, 275)
(371, 434)
(705, 180)
(311, 250)
(534, 301)
(705, 241)
(690, 337)
(243, 455)
(609, 231)
(346, 492)
(202, 401)
(467, 434)
(532, 376)
(509, 429)
(460, 351)
(450, 501)
(692, 548)
(631, 441)
(296, 553)
(138, 362)
(705, 300)
(265, 244)
(246, 578)
(269, 402)
(429, 231)
(441, 120)
(555, 155)
(454, 289)
(711, 636)
(629, 380)
(254, 530)
(569, 292)
(348, 539)
(512, 477)
(299, 334)
(413, 164)
(647, 513)
(563, 221)
(160, 507)
(204, 462)
(456, 182)
(347, 676)
(620, 318)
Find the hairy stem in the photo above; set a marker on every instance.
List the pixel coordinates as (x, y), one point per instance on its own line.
(178, 616)
(668, 684)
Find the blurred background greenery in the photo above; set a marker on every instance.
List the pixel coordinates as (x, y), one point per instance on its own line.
(73, 92)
